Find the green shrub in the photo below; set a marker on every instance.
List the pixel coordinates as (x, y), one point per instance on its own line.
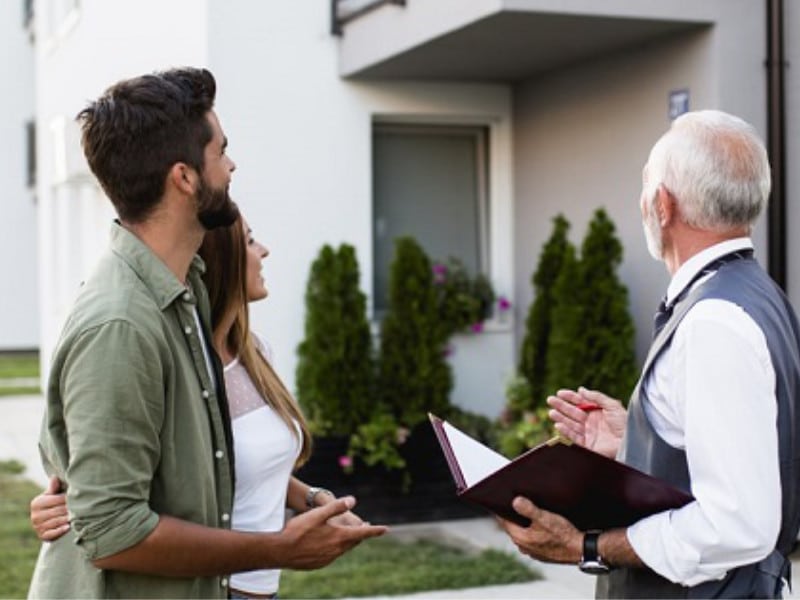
(414, 376)
(592, 336)
(533, 354)
(335, 370)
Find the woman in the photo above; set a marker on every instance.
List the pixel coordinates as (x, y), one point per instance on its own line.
(270, 435)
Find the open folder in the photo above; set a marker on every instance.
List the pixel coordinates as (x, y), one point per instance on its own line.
(590, 490)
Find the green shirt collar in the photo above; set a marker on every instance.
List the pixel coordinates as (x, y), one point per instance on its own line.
(156, 276)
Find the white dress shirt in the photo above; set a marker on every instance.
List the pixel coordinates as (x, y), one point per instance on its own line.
(712, 394)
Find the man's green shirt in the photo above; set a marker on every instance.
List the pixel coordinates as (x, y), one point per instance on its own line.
(133, 425)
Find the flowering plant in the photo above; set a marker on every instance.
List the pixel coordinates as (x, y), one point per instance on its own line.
(463, 302)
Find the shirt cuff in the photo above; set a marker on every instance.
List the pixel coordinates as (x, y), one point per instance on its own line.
(654, 542)
(124, 530)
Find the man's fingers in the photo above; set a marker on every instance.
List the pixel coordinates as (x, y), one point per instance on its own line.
(566, 402)
(331, 509)
(597, 397)
(525, 507)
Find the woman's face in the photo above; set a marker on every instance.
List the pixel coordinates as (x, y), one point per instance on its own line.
(256, 290)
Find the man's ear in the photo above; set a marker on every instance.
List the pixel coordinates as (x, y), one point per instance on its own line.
(665, 206)
(183, 178)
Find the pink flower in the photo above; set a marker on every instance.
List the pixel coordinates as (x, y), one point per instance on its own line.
(346, 463)
(439, 273)
(476, 327)
(503, 303)
(401, 435)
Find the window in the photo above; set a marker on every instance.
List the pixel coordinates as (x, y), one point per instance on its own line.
(30, 152)
(429, 182)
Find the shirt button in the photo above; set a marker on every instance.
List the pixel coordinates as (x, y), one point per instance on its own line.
(187, 330)
(219, 454)
(225, 517)
(187, 296)
(206, 394)
(224, 582)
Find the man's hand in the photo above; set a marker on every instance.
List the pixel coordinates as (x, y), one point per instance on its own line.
(549, 537)
(313, 539)
(598, 430)
(49, 516)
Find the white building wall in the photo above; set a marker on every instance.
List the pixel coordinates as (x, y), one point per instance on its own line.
(301, 137)
(19, 323)
(82, 48)
(582, 136)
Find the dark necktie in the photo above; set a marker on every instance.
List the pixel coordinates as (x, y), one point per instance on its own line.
(664, 311)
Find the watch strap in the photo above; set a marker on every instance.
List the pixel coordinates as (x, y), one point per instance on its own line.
(311, 495)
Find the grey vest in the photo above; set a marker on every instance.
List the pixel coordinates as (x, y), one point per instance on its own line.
(744, 283)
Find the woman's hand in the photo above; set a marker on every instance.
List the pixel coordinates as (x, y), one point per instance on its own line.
(49, 516)
(599, 428)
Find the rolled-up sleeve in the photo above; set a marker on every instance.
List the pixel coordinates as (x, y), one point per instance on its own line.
(113, 398)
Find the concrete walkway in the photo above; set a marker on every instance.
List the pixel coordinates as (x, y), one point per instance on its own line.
(20, 420)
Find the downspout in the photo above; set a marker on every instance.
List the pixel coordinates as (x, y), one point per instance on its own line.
(776, 143)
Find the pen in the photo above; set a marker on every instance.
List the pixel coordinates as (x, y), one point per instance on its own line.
(589, 406)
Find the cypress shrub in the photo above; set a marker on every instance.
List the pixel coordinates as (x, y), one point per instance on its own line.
(592, 332)
(413, 376)
(533, 354)
(335, 370)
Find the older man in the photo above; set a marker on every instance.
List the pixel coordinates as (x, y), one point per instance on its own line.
(715, 411)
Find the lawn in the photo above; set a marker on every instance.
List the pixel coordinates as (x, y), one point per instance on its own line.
(382, 566)
(18, 544)
(18, 365)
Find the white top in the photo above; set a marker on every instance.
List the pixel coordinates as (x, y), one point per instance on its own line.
(265, 452)
(712, 394)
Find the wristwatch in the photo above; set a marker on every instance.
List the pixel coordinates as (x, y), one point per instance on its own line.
(591, 562)
(311, 495)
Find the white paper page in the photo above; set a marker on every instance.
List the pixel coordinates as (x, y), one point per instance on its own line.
(475, 460)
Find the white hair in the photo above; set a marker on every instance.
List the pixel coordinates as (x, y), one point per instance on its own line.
(715, 166)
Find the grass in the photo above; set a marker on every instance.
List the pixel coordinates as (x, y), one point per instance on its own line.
(382, 566)
(17, 365)
(19, 546)
(386, 566)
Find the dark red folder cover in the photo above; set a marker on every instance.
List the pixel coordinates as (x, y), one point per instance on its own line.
(590, 490)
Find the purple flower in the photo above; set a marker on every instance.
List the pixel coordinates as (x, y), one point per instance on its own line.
(476, 327)
(439, 273)
(346, 463)
(503, 303)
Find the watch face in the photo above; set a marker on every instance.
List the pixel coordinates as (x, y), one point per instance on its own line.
(593, 567)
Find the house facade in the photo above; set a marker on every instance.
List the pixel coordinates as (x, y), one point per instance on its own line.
(468, 125)
(19, 319)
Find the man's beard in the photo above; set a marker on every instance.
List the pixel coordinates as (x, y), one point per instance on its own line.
(215, 207)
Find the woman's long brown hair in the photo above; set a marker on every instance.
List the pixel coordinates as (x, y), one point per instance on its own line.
(224, 250)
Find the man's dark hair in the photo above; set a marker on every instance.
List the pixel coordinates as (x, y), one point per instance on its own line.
(139, 128)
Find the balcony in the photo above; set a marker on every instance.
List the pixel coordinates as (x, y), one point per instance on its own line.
(497, 40)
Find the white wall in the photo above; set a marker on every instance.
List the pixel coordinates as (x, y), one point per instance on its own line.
(582, 138)
(301, 138)
(583, 134)
(19, 323)
(78, 55)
